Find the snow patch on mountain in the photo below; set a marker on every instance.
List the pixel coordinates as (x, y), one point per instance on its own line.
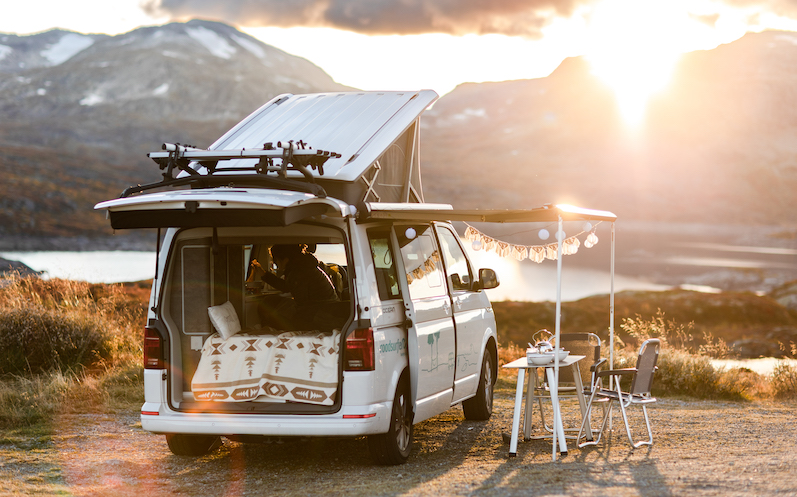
(161, 90)
(4, 51)
(92, 99)
(216, 44)
(250, 46)
(67, 47)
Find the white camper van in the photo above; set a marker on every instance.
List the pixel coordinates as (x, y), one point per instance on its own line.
(303, 286)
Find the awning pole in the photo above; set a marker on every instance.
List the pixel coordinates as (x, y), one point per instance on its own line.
(555, 387)
(611, 307)
(611, 320)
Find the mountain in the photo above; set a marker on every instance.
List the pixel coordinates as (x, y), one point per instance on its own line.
(718, 144)
(80, 113)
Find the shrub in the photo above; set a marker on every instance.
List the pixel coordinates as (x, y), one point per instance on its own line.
(682, 373)
(61, 325)
(36, 340)
(784, 381)
(684, 368)
(675, 335)
(68, 346)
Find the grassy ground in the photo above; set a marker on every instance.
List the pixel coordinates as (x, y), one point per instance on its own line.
(45, 418)
(702, 448)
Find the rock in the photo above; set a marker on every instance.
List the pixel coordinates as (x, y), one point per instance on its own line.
(7, 267)
(786, 295)
(753, 348)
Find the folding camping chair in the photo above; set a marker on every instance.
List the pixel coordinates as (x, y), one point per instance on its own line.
(638, 393)
(586, 344)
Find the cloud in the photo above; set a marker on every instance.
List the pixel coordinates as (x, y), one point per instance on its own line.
(524, 18)
(786, 8)
(510, 17)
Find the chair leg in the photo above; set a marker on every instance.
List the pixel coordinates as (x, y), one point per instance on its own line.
(640, 443)
(625, 421)
(606, 412)
(650, 432)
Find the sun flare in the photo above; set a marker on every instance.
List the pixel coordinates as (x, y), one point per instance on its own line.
(632, 49)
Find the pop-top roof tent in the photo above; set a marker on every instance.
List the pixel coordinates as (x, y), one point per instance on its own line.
(345, 154)
(365, 145)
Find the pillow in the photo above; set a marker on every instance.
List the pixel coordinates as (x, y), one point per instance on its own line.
(224, 319)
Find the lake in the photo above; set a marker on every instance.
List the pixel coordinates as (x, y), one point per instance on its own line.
(526, 281)
(761, 365)
(94, 267)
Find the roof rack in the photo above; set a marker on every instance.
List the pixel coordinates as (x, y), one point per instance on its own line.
(292, 156)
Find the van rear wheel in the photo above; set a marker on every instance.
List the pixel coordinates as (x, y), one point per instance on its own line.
(480, 407)
(192, 445)
(394, 447)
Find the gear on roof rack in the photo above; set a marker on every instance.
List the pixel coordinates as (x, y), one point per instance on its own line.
(292, 156)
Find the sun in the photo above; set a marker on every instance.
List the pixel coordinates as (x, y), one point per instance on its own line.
(634, 46)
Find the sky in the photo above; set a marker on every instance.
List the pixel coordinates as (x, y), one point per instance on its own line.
(438, 44)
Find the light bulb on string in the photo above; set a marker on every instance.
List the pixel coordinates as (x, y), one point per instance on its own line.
(410, 233)
(560, 235)
(543, 234)
(476, 245)
(587, 226)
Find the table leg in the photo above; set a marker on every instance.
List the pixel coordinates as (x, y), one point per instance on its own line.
(528, 412)
(516, 415)
(559, 430)
(582, 402)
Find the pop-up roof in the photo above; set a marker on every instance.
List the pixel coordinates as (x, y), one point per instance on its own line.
(369, 143)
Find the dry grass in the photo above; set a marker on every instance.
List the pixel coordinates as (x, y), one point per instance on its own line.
(685, 369)
(67, 345)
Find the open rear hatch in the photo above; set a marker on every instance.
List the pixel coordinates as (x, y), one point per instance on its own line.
(270, 364)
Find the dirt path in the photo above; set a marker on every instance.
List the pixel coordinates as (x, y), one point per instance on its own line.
(701, 448)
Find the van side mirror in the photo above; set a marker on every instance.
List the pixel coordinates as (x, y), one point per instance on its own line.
(487, 280)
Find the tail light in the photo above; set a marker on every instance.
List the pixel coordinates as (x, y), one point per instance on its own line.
(360, 350)
(153, 349)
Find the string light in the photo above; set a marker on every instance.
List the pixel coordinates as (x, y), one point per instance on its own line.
(592, 240)
(536, 253)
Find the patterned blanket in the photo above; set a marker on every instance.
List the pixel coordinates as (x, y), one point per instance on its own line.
(293, 366)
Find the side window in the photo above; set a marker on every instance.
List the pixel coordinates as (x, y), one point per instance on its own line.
(457, 267)
(421, 261)
(385, 269)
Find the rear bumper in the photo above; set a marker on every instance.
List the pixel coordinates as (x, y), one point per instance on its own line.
(368, 420)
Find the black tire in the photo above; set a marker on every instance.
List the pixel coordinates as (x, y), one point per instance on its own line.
(480, 407)
(394, 447)
(192, 445)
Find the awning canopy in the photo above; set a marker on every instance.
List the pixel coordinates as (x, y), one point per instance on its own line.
(436, 212)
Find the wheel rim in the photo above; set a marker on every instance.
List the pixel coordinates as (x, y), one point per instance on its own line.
(401, 424)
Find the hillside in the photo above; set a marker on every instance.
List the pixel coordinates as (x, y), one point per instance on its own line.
(718, 144)
(752, 325)
(80, 113)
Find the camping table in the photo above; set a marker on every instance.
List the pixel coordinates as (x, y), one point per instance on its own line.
(522, 365)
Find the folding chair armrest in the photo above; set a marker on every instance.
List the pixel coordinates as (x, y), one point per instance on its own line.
(597, 365)
(616, 372)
